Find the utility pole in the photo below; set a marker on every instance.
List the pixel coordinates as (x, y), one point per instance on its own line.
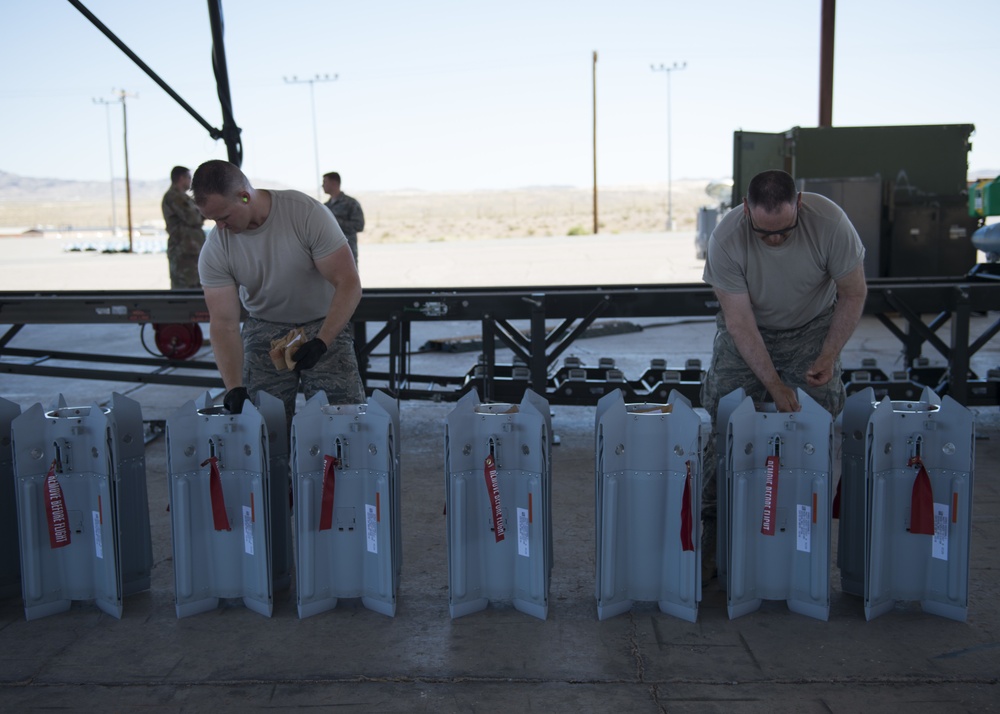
(122, 95)
(111, 165)
(675, 67)
(594, 72)
(312, 100)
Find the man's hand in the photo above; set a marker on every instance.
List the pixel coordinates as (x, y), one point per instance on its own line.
(234, 399)
(785, 398)
(820, 372)
(309, 354)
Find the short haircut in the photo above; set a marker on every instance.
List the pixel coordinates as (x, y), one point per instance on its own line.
(770, 190)
(217, 177)
(333, 175)
(178, 171)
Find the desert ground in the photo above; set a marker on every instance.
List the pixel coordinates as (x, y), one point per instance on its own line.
(403, 216)
(60, 240)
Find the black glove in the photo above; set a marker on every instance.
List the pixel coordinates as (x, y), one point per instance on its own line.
(309, 354)
(233, 401)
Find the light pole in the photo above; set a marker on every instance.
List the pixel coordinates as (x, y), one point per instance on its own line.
(675, 67)
(111, 166)
(312, 100)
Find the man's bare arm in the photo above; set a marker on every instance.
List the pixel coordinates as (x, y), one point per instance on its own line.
(339, 269)
(851, 293)
(224, 328)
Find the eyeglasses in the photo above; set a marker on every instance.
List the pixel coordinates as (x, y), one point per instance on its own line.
(783, 231)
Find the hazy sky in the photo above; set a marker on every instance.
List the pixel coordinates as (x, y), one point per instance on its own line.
(473, 94)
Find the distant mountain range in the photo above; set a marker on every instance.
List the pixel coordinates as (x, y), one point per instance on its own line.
(25, 188)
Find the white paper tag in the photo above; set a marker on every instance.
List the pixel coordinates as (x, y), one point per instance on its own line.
(522, 533)
(371, 528)
(247, 530)
(939, 545)
(98, 545)
(803, 528)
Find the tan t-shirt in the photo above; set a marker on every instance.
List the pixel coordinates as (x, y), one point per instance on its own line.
(273, 265)
(793, 283)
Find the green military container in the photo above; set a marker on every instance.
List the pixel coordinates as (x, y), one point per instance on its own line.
(984, 198)
(919, 171)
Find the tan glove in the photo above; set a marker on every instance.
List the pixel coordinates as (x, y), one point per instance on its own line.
(283, 348)
(292, 347)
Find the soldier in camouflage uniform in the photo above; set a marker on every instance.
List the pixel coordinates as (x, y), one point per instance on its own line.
(788, 272)
(281, 256)
(185, 236)
(345, 209)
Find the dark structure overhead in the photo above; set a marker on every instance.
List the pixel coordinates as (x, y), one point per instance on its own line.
(230, 132)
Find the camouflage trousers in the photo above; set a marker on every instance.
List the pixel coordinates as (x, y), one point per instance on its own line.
(792, 353)
(336, 373)
(183, 249)
(183, 271)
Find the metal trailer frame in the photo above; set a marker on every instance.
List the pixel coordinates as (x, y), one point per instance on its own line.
(386, 316)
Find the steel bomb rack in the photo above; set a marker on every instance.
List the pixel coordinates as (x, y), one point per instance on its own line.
(556, 316)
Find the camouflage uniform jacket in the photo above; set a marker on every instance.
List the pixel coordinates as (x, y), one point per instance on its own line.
(350, 217)
(183, 219)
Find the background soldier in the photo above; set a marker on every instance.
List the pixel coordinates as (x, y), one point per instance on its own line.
(345, 209)
(185, 236)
